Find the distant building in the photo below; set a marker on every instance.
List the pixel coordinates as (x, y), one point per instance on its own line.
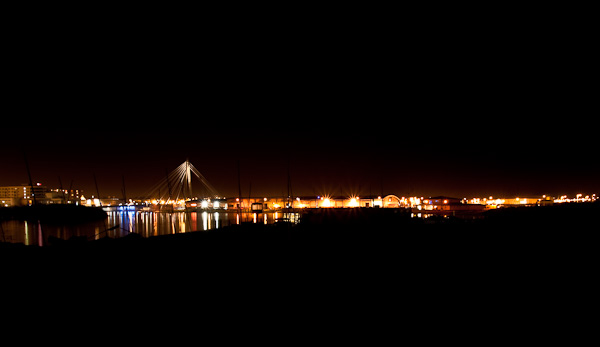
(521, 201)
(215, 204)
(64, 196)
(514, 202)
(444, 205)
(12, 195)
(24, 194)
(272, 204)
(434, 203)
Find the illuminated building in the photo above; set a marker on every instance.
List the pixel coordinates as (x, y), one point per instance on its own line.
(10, 196)
(69, 196)
(578, 199)
(521, 201)
(299, 202)
(444, 205)
(204, 204)
(24, 194)
(544, 200)
(246, 203)
(393, 201)
(492, 202)
(13, 195)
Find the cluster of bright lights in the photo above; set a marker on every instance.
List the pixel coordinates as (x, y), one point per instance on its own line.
(578, 198)
(129, 203)
(484, 201)
(491, 201)
(92, 202)
(166, 202)
(387, 201)
(414, 201)
(204, 204)
(356, 201)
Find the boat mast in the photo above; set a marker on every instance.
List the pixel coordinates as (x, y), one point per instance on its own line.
(290, 199)
(168, 185)
(30, 180)
(123, 189)
(60, 186)
(97, 190)
(239, 189)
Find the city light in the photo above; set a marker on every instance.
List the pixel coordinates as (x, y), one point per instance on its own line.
(578, 199)
(15, 195)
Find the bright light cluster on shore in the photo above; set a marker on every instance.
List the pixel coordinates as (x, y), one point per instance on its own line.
(166, 202)
(388, 201)
(491, 201)
(578, 198)
(356, 201)
(180, 181)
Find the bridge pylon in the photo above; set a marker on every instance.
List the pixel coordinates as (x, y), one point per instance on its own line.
(178, 185)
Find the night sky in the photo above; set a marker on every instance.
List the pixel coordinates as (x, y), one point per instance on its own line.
(466, 109)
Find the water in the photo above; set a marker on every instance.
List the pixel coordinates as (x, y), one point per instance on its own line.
(120, 223)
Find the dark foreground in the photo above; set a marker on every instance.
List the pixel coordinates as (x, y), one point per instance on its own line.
(348, 240)
(517, 275)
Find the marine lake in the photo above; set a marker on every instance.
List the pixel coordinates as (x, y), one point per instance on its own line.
(120, 222)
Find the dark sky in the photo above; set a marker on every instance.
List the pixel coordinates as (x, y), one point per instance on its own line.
(456, 108)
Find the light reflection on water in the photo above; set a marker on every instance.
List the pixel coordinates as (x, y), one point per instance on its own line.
(145, 223)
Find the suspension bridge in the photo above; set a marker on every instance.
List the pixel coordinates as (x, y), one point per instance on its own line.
(179, 185)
